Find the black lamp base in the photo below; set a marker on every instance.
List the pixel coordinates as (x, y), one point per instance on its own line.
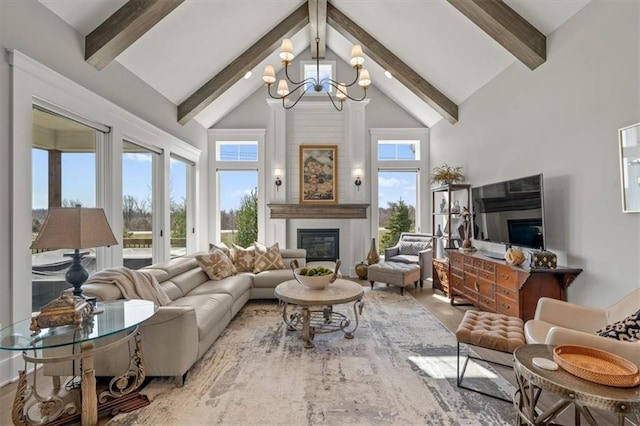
(77, 274)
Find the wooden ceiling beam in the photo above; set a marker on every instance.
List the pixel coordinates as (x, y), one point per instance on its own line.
(123, 28)
(318, 27)
(247, 60)
(390, 62)
(506, 27)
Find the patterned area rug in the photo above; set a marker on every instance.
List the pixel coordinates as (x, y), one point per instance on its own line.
(400, 368)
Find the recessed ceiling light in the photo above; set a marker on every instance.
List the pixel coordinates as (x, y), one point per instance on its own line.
(248, 75)
(388, 74)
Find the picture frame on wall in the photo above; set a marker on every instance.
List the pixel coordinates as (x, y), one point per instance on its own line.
(318, 174)
(629, 148)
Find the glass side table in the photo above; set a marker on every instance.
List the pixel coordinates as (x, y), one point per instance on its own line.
(119, 319)
(568, 390)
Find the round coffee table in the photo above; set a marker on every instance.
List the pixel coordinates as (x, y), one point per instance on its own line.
(568, 390)
(311, 322)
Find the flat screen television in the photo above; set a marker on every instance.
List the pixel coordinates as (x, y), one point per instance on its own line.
(510, 212)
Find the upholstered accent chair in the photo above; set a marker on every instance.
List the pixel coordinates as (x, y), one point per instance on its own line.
(415, 248)
(558, 323)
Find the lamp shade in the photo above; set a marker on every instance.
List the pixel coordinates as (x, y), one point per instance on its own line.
(74, 228)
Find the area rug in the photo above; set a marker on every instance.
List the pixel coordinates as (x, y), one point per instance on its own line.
(400, 368)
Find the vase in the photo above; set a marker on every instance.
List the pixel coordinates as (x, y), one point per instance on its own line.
(361, 270)
(373, 257)
(439, 232)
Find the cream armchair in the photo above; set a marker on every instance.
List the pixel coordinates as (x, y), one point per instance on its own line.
(557, 322)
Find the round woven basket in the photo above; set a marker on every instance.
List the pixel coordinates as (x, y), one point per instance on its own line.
(597, 366)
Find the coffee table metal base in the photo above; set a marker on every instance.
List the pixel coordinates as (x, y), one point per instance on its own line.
(311, 322)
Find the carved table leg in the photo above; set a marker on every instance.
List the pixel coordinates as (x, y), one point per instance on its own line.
(307, 331)
(89, 416)
(22, 394)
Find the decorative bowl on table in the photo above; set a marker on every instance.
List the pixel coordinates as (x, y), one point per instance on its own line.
(316, 278)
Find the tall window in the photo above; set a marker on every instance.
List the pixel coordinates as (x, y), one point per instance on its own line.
(237, 191)
(178, 204)
(401, 173)
(137, 205)
(63, 175)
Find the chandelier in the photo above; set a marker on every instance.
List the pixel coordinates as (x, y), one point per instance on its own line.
(316, 83)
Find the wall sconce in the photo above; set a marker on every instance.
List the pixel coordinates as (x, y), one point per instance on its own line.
(358, 182)
(278, 181)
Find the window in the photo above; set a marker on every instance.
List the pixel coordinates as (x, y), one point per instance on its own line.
(310, 70)
(63, 156)
(180, 219)
(401, 173)
(237, 200)
(137, 204)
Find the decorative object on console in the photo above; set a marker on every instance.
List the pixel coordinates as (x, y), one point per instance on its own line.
(447, 174)
(318, 174)
(438, 233)
(75, 228)
(465, 230)
(543, 259)
(278, 182)
(514, 256)
(373, 256)
(358, 181)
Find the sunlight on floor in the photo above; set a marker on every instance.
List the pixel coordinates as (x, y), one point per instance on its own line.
(444, 367)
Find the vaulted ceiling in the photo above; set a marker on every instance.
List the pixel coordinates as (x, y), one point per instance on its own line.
(195, 52)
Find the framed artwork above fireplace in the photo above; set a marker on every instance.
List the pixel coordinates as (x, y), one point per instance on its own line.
(318, 174)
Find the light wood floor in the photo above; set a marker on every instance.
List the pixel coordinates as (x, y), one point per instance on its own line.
(434, 301)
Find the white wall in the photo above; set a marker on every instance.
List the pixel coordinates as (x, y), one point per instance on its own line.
(561, 120)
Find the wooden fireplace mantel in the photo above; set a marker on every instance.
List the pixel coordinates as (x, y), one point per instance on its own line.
(315, 211)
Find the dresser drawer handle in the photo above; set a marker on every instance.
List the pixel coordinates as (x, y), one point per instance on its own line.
(504, 305)
(505, 276)
(505, 291)
(476, 285)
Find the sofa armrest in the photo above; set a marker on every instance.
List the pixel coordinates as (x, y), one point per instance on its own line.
(569, 315)
(564, 336)
(391, 251)
(425, 260)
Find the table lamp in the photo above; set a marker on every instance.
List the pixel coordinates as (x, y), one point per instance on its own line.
(75, 228)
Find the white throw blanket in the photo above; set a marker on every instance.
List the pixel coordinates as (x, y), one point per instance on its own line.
(132, 284)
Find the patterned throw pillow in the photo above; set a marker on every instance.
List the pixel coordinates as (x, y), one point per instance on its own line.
(627, 329)
(414, 247)
(216, 264)
(222, 247)
(267, 258)
(243, 258)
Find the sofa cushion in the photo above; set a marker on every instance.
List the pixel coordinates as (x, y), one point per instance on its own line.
(222, 247)
(414, 247)
(235, 286)
(627, 329)
(267, 258)
(209, 309)
(244, 259)
(216, 264)
(270, 279)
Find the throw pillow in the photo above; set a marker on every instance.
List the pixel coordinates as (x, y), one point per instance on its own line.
(267, 258)
(414, 247)
(222, 247)
(216, 264)
(243, 258)
(627, 329)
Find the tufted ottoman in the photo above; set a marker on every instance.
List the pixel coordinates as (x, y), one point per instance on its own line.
(491, 331)
(394, 273)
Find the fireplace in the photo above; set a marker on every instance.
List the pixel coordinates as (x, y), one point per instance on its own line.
(320, 244)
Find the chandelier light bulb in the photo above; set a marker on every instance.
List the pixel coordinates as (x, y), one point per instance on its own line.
(341, 93)
(357, 57)
(286, 50)
(269, 75)
(283, 88)
(365, 80)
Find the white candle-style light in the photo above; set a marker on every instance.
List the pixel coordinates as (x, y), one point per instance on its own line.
(269, 75)
(357, 56)
(286, 50)
(365, 79)
(283, 88)
(341, 93)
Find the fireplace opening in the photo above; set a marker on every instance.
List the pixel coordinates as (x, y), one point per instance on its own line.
(320, 244)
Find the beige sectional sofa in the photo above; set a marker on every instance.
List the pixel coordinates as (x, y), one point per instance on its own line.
(200, 309)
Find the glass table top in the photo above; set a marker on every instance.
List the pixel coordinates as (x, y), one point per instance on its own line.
(118, 315)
